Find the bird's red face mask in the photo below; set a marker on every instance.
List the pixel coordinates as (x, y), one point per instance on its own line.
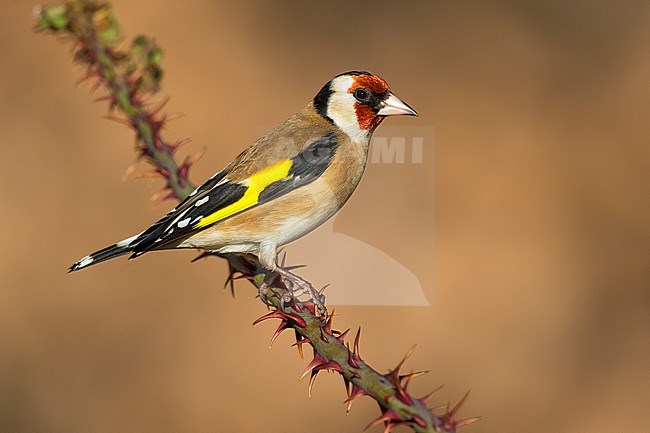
(374, 101)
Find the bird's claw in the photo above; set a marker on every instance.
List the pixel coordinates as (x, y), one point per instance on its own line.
(263, 290)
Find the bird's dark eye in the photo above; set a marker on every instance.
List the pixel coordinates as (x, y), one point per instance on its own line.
(361, 95)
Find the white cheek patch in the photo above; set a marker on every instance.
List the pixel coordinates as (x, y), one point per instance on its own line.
(341, 109)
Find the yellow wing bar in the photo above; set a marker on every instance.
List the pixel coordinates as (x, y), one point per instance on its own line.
(256, 184)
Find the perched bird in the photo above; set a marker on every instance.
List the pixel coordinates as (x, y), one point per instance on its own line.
(282, 187)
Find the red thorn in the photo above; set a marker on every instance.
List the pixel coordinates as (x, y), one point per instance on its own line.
(320, 363)
(95, 86)
(449, 417)
(107, 98)
(444, 407)
(316, 362)
(387, 417)
(283, 316)
(160, 106)
(460, 404)
(196, 156)
(342, 335)
(419, 421)
(152, 174)
(120, 120)
(163, 171)
(427, 397)
(282, 327)
(355, 351)
(300, 340)
(312, 379)
(405, 379)
(183, 170)
(351, 360)
(170, 196)
(355, 393)
(391, 425)
(394, 373)
(467, 421)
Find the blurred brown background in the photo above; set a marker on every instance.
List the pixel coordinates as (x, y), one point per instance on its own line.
(538, 272)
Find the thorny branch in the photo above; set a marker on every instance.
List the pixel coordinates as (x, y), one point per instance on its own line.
(129, 78)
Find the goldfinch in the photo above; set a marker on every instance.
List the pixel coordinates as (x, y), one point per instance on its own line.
(282, 187)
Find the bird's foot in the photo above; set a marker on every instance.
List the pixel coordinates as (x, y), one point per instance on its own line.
(298, 287)
(263, 289)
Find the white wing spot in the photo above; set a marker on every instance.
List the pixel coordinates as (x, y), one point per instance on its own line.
(184, 223)
(126, 242)
(195, 220)
(86, 261)
(194, 192)
(203, 201)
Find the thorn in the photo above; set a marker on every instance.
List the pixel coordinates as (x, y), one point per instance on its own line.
(316, 362)
(110, 98)
(391, 425)
(128, 172)
(282, 327)
(160, 106)
(320, 292)
(312, 379)
(173, 147)
(319, 363)
(283, 316)
(459, 405)
(152, 174)
(449, 417)
(467, 421)
(427, 397)
(299, 342)
(355, 351)
(95, 86)
(405, 379)
(120, 120)
(160, 195)
(355, 393)
(419, 421)
(395, 371)
(341, 336)
(346, 383)
(434, 409)
(351, 361)
(386, 417)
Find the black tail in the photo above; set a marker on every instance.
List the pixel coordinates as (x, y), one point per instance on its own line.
(119, 249)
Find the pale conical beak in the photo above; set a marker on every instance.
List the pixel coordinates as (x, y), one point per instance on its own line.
(393, 106)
